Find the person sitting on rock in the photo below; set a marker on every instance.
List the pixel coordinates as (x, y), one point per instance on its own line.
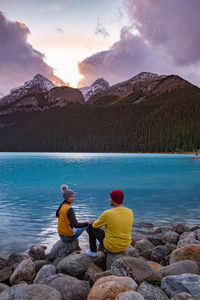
(68, 227)
(118, 223)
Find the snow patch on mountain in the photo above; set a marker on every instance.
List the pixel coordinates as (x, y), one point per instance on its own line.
(97, 86)
(44, 84)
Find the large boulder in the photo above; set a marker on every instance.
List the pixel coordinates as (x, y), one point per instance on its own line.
(188, 235)
(37, 252)
(15, 258)
(135, 268)
(30, 292)
(111, 257)
(62, 249)
(159, 253)
(75, 264)
(44, 272)
(39, 264)
(183, 296)
(132, 295)
(150, 292)
(175, 284)
(109, 287)
(188, 241)
(188, 252)
(145, 248)
(185, 266)
(170, 237)
(3, 287)
(180, 228)
(5, 273)
(25, 271)
(70, 288)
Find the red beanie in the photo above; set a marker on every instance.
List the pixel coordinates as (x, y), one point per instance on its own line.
(117, 196)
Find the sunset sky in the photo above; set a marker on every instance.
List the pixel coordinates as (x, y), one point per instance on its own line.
(79, 41)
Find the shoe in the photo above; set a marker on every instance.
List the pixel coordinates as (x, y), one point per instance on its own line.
(90, 253)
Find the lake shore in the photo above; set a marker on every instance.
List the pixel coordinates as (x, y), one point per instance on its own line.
(154, 265)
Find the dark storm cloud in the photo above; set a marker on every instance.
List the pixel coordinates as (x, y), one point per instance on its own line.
(172, 24)
(19, 61)
(168, 41)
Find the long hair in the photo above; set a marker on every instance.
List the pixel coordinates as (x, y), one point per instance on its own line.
(57, 211)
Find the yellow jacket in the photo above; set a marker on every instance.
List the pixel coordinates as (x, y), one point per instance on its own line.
(63, 226)
(118, 223)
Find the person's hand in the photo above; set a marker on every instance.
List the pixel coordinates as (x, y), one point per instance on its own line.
(91, 222)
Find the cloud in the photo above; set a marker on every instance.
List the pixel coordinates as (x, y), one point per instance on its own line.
(59, 30)
(19, 61)
(100, 29)
(127, 56)
(172, 24)
(167, 41)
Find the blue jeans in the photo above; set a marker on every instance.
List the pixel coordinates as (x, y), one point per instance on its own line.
(78, 232)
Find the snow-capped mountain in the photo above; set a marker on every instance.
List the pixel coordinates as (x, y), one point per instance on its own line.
(97, 86)
(41, 81)
(39, 94)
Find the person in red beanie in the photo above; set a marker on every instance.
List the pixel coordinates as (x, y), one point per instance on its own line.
(118, 223)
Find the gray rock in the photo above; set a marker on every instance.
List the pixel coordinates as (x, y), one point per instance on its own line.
(138, 237)
(100, 275)
(15, 258)
(62, 249)
(37, 252)
(197, 234)
(44, 272)
(25, 271)
(171, 237)
(159, 253)
(39, 264)
(150, 292)
(188, 241)
(111, 257)
(195, 227)
(180, 228)
(188, 235)
(175, 284)
(3, 287)
(157, 229)
(130, 295)
(5, 273)
(155, 240)
(75, 264)
(91, 272)
(100, 260)
(184, 266)
(135, 268)
(30, 292)
(144, 245)
(2, 263)
(171, 247)
(70, 288)
(183, 296)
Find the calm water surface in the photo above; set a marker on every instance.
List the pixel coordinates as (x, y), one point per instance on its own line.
(160, 188)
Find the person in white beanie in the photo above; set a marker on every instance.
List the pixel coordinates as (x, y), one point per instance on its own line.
(68, 227)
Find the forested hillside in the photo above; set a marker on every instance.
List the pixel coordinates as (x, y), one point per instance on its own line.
(166, 123)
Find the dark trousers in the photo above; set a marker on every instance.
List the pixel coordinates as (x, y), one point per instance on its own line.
(93, 235)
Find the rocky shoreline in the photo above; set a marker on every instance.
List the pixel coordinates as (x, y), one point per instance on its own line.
(158, 265)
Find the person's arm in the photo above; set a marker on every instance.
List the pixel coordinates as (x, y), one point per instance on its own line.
(100, 222)
(74, 222)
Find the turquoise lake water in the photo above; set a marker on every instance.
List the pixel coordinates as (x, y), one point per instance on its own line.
(160, 188)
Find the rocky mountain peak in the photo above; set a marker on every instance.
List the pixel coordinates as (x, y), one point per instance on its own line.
(97, 86)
